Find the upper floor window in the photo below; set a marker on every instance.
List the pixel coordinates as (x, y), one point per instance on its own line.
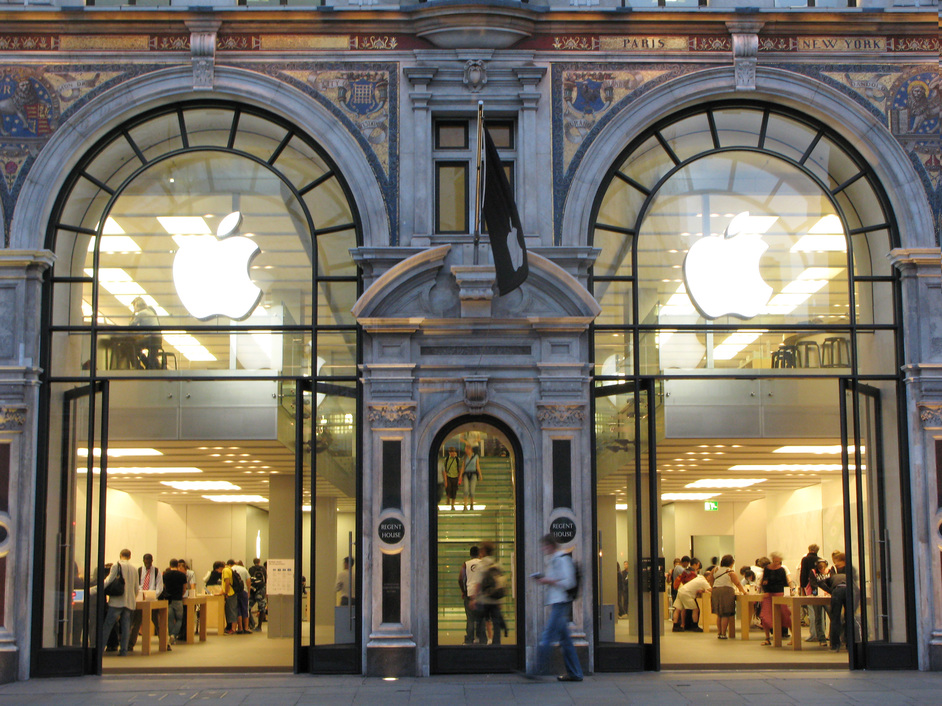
(454, 154)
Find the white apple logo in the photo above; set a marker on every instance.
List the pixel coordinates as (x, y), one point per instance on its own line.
(211, 274)
(722, 273)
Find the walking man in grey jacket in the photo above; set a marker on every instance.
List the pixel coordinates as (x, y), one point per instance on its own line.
(559, 579)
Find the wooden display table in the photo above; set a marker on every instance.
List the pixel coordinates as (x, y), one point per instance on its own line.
(147, 609)
(189, 604)
(794, 603)
(215, 609)
(744, 602)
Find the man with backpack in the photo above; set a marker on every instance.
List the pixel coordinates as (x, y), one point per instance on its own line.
(488, 595)
(562, 584)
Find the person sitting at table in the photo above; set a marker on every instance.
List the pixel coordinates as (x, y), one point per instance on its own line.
(146, 345)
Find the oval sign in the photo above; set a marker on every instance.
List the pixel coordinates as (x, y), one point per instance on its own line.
(391, 530)
(563, 530)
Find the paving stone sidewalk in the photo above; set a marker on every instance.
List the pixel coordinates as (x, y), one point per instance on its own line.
(672, 687)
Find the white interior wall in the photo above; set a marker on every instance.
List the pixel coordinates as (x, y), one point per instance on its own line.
(794, 520)
(201, 534)
(750, 531)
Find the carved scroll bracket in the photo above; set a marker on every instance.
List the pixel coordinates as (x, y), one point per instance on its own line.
(203, 52)
(745, 52)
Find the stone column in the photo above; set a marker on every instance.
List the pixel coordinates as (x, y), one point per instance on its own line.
(921, 271)
(21, 274)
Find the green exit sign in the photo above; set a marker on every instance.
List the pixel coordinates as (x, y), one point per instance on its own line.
(711, 505)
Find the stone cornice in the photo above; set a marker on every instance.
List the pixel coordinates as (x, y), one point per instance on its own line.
(23, 259)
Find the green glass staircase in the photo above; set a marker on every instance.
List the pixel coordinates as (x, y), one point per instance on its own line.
(458, 530)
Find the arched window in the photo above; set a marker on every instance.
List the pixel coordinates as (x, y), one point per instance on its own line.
(143, 241)
(739, 237)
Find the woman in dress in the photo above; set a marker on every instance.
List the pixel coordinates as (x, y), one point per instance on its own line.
(725, 584)
(774, 581)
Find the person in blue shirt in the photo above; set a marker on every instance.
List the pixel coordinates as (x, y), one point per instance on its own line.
(559, 578)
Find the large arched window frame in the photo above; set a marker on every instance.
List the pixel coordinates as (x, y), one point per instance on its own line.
(637, 255)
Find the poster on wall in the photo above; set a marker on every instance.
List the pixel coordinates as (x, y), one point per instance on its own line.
(281, 577)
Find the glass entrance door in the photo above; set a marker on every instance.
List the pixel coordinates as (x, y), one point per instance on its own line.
(476, 595)
(630, 567)
(874, 612)
(74, 569)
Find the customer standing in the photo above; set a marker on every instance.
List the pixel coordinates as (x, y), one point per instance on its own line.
(559, 579)
(472, 474)
(725, 585)
(174, 587)
(805, 588)
(774, 581)
(121, 606)
(836, 585)
(451, 475)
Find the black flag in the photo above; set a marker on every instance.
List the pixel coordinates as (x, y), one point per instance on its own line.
(503, 222)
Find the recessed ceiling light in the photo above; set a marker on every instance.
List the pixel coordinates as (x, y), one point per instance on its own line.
(725, 482)
(773, 467)
(118, 453)
(200, 484)
(236, 498)
(688, 496)
(834, 450)
(144, 471)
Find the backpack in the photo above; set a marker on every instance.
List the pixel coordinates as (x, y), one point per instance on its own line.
(238, 585)
(573, 592)
(493, 583)
(257, 577)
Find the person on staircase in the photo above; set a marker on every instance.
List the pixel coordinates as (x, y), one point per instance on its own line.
(472, 474)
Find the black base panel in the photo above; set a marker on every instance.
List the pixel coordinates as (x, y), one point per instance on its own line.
(483, 659)
(334, 660)
(8, 663)
(62, 662)
(894, 656)
(391, 662)
(610, 657)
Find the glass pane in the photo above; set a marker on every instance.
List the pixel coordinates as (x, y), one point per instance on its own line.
(866, 204)
(647, 164)
(336, 578)
(831, 164)
(502, 134)
(689, 137)
(195, 472)
(738, 461)
(876, 353)
(767, 247)
(613, 356)
(328, 205)
(615, 298)
(620, 205)
(787, 136)
(451, 135)
(738, 127)
(334, 303)
(158, 136)
(69, 609)
(124, 354)
(258, 137)
(875, 302)
(333, 254)
(338, 351)
(451, 203)
(71, 354)
(69, 307)
(169, 221)
(615, 258)
(85, 206)
(618, 504)
(476, 539)
(302, 164)
(208, 126)
(114, 163)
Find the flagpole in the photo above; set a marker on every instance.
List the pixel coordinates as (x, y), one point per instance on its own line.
(479, 183)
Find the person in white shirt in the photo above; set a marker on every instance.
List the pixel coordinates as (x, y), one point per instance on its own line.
(687, 600)
(150, 579)
(121, 607)
(559, 579)
(468, 579)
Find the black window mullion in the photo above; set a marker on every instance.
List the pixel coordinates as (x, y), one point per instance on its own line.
(763, 129)
(280, 148)
(134, 147)
(183, 136)
(667, 148)
(234, 128)
(814, 143)
(847, 183)
(101, 185)
(632, 183)
(713, 131)
(314, 184)
(333, 229)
